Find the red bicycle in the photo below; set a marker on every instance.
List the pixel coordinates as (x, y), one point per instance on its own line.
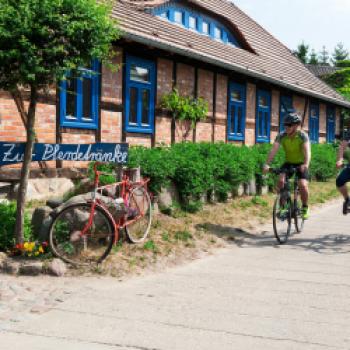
(84, 233)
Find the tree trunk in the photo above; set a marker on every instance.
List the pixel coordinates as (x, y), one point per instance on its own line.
(27, 159)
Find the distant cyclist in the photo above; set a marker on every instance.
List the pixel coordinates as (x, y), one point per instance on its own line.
(344, 176)
(297, 150)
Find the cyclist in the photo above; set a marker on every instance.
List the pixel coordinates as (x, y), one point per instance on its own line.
(297, 150)
(344, 176)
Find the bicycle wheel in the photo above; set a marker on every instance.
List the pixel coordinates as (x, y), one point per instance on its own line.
(298, 219)
(139, 215)
(67, 241)
(282, 217)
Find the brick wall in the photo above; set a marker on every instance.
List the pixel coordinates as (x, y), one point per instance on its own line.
(299, 106)
(111, 98)
(250, 114)
(275, 114)
(221, 108)
(323, 123)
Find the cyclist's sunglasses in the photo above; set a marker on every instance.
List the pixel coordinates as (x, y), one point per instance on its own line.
(288, 125)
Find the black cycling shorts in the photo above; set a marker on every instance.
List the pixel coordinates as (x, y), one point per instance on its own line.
(343, 177)
(301, 174)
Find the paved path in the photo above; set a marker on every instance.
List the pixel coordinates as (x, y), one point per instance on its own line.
(252, 295)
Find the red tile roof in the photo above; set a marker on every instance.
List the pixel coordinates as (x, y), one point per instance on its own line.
(272, 61)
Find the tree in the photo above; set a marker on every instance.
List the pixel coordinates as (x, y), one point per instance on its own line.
(313, 57)
(339, 54)
(40, 40)
(302, 52)
(324, 56)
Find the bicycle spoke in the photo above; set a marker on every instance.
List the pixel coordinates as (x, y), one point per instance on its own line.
(77, 241)
(138, 215)
(282, 219)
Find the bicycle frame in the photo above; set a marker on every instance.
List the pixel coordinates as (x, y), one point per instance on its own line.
(126, 187)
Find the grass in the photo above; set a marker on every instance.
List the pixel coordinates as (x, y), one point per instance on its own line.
(179, 236)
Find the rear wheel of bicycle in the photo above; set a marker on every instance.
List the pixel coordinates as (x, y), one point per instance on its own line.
(139, 215)
(67, 241)
(298, 219)
(282, 217)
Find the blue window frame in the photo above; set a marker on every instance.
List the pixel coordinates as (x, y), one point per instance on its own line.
(286, 104)
(79, 98)
(314, 122)
(263, 116)
(139, 95)
(236, 112)
(330, 124)
(195, 20)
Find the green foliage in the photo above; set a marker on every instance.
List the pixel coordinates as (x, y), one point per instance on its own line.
(323, 159)
(207, 169)
(313, 57)
(343, 64)
(339, 54)
(340, 80)
(7, 228)
(302, 52)
(184, 107)
(41, 39)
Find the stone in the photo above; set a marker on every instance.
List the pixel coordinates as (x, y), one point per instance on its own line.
(250, 188)
(31, 269)
(41, 189)
(54, 202)
(167, 196)
(3, 258)
(39, 215)
(44, 229)
(11, 267)
(57, 268)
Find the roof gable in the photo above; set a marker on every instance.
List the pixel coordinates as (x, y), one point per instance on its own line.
(270, 60)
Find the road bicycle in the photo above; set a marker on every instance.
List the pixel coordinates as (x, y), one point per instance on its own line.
(287, 206)
(83, 233)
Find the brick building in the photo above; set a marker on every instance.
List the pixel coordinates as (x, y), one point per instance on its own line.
(206, 48)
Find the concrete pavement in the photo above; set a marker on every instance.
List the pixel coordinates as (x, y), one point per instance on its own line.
(254, 294)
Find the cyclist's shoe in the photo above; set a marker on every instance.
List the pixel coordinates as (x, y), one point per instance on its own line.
(346, 205)
(305, 213)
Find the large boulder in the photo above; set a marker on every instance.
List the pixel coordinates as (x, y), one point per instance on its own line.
(41, 189)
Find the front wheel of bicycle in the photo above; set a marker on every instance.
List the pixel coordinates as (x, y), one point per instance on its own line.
(282, 217)
(139, 215)
(298, 219)
(71, 244)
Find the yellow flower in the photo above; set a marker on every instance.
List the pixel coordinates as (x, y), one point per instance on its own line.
(41, 250)
(26, 245)
(36, 253)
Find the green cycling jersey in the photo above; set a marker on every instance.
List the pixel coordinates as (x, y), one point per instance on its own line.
(293, 146)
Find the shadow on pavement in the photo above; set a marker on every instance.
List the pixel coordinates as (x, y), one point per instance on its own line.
(332, 243)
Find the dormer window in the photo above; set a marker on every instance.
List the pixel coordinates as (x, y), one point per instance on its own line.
(205, 28)
(196, 21)
(217, 33)
(178, 17)
(192, 22)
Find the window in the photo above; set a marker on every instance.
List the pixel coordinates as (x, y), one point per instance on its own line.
(217, 33)
(286, 104)
(330, 124)
(195, 20)
(314, 122)
(139, 95)
(263, 115)
(192, 22)
(178, 17)
(236, 112)
(79, 98)
(205, 28)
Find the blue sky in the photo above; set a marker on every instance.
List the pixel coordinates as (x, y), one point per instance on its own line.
(317, 22)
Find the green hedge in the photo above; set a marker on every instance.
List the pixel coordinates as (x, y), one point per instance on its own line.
(199, 169)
